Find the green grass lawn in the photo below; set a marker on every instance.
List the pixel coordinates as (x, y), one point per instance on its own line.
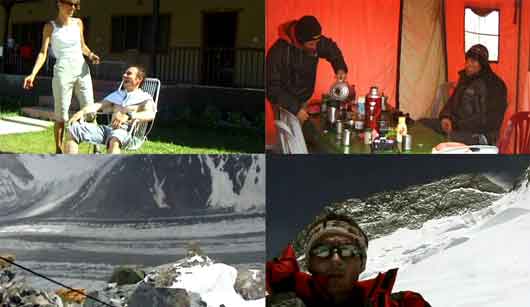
(163, 139)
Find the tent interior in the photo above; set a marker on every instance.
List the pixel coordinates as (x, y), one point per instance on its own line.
(412, 48)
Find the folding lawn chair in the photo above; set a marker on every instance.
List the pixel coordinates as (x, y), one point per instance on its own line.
(140, 129)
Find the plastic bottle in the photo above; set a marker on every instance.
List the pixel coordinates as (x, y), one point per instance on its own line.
(401, 128)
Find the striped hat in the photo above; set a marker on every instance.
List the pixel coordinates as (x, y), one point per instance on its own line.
(335, 224)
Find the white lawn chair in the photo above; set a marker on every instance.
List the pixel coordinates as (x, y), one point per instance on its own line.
(140, 129)
(290, 133)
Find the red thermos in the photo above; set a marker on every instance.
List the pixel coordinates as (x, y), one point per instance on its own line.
(373, 108)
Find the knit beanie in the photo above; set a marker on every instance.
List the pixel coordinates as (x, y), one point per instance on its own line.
(332, 223)
(480, 53)
(307, 29)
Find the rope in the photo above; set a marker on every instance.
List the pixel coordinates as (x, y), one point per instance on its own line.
(56, 282)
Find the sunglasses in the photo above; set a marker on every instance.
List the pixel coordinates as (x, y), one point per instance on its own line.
(344, 251)
(74, 5)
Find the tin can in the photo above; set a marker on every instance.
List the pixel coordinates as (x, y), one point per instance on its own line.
(407, 142)
(367, 137)
(339, 126)
(346, 137)
(332, 114)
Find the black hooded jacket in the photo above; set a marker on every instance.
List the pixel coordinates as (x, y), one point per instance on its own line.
(291, 71)
(478, 104)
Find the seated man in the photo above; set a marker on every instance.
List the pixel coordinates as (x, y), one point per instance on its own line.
(335, 252)
(127, 104)
(474, 113)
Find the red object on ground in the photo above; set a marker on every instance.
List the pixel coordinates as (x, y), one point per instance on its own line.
(517, 133)
(271, 133)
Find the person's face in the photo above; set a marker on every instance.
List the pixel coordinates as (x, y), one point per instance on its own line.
(472, 67)
(341, 272)
(130, 78)
(311, 46)
(68, 7)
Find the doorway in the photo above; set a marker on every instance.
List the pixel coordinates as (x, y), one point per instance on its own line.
(218, 47)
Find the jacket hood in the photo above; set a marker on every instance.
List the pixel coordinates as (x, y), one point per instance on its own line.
(286, 33)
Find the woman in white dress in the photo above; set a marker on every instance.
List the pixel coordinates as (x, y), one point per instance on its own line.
(70, 73)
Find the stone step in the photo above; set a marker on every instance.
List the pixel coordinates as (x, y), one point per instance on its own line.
(29, 121)
(7, 127)
(45, 113)
(48, 101)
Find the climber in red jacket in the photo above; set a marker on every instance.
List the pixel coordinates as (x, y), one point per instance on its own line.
(335, 252)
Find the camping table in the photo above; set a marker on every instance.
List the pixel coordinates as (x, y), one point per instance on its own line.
(321, 141)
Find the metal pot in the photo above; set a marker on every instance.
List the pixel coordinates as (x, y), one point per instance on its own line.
(339, 91)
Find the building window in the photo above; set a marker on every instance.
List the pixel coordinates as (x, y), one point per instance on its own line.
(31, 33)
(134, 32)
(483, 27)
(28, 32)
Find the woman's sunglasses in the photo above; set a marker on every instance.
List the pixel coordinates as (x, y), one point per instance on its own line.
(74, 5)
(344, 251)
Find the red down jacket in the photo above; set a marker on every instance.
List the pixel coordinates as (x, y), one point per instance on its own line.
(284, 275)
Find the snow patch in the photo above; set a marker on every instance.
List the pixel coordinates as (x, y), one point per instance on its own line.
(252, 194)
(214, 282)
(475, 259)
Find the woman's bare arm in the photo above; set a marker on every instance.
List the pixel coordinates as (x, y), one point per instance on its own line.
(84, 48)
(43, 53)
(41, 57)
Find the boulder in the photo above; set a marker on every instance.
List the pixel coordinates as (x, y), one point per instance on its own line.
(4, 264)
(126, 276)
(147, 295)
(250, 284)
(112, 294)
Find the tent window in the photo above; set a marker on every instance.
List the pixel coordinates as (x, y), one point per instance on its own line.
(483, 28)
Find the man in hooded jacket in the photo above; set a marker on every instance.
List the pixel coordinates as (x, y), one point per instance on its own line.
(292, 64)
(474, 113)
(335, 253)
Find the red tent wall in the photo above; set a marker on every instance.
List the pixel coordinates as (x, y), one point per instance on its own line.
(524, 65)
(366, 31)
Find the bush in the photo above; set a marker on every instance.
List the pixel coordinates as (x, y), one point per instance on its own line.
(211, 117)
(10, 104)
(185, 115)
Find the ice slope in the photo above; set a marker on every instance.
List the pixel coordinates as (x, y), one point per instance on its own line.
(475, 259)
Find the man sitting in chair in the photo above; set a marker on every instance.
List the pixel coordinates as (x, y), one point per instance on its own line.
(474, 113)
(127, 104)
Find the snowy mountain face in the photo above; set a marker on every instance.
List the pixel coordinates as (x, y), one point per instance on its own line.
(78, 218)
(131, 187)
(383, 213)
(14, 181)
(463, 245)
(479, 258)
(33, 185)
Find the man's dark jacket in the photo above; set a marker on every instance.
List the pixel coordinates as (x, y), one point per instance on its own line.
(291, 71)
(477, 105)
